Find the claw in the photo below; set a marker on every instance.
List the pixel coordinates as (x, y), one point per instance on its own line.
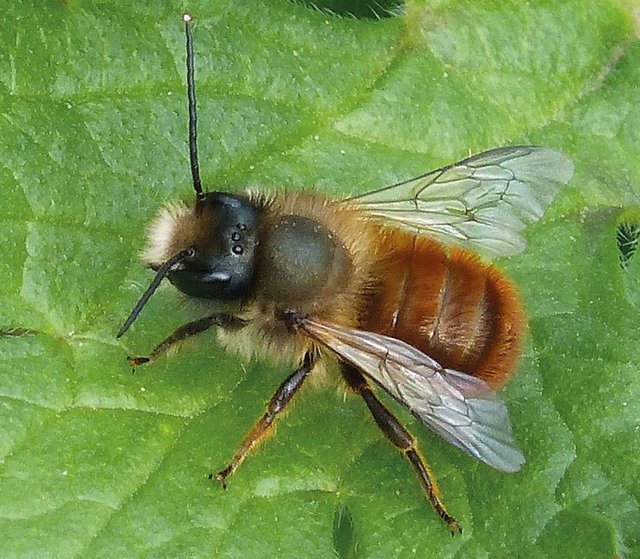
(135, 361)
(221, 477)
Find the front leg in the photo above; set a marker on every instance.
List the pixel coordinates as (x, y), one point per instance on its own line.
(186, 331)
(264, 426)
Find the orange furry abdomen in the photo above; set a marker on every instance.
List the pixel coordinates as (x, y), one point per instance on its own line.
(463, 313)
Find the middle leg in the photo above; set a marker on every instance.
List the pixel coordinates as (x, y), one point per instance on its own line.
(264, 426)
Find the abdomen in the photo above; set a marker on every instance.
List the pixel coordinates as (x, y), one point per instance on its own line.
(463, 313)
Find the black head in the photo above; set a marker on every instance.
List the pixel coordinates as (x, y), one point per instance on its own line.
(211, 255)
(221, 264)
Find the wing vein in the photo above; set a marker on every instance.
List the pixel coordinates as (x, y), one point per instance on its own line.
(460, 408)
(481, 203)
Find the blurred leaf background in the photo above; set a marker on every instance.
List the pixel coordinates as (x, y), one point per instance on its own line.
(339, 98)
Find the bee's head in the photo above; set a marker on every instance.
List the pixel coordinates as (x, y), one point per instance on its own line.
(217, 239)
(206, 250)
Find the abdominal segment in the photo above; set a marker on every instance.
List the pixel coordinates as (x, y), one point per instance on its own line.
(463, 313)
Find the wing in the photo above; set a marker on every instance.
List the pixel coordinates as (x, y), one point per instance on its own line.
(481, 203)
(460, 408)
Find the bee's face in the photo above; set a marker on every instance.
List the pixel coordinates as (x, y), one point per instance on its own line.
(222, 262)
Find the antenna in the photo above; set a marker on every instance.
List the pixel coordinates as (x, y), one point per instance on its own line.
(193, 117)
(163, 270)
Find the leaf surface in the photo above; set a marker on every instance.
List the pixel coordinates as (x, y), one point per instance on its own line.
(97, 462)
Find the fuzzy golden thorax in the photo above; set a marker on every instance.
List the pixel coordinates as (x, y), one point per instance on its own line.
(354, 236)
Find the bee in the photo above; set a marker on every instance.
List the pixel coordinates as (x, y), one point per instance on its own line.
(386, 285)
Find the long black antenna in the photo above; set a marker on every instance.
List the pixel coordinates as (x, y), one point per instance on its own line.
(162, 272)
(193, 117)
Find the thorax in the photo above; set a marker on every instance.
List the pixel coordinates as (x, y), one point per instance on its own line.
(315, 257)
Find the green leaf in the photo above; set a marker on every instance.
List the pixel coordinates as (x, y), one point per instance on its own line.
(98, 462)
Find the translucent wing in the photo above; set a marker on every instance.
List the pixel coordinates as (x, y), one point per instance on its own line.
(481, 203)
(460, 408)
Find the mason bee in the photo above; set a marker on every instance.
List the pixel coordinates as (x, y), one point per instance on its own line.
(386, 285)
